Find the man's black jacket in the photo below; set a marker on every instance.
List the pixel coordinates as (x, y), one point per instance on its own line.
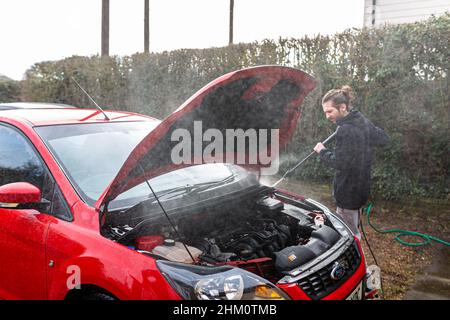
(352, 158)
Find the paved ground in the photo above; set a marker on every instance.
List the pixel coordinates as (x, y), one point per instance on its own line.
(434, 283)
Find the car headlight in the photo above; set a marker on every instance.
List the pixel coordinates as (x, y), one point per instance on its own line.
(218, 283)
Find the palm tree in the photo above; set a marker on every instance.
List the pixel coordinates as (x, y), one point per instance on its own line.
(105, 27)
(146, 27)
(230, 39)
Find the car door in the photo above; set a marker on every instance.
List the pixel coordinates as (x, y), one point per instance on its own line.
(22, 231)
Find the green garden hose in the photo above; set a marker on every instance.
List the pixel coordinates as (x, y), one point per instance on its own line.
(402, 233)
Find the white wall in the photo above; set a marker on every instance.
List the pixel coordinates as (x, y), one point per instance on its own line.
(401, 11)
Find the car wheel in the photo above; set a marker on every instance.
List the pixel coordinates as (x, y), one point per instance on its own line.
(96, 296)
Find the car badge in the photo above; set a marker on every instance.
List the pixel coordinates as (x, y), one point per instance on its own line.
(338, 271)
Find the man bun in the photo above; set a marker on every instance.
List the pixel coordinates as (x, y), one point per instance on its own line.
(344, 95)
(349, 94)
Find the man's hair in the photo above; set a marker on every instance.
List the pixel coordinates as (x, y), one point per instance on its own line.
(343, 95)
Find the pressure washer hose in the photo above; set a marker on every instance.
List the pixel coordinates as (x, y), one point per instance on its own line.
(402, 233)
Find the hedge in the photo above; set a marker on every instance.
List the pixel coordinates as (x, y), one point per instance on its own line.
(9, 90)
(400, 74)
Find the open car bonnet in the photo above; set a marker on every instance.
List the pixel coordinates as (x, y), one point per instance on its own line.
(261, 99)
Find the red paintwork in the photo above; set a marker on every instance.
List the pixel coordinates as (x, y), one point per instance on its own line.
(264, 267)
(38, 251)
(291, 194)
(42, 117)
(19, 192)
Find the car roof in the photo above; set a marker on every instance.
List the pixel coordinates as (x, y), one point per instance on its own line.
(32, 105)
(39, 114)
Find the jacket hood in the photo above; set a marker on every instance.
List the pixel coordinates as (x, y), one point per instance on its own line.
(354, 117)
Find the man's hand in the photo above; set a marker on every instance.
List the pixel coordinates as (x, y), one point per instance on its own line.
(319, 147)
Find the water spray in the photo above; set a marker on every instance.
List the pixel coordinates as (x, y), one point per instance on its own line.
(290, 171)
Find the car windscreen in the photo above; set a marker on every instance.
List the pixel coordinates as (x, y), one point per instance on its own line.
(91, 154)
(187, 183)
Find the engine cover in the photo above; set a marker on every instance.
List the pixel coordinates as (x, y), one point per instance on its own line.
(294, 256)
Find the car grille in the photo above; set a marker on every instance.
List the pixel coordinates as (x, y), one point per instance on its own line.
(319, 284)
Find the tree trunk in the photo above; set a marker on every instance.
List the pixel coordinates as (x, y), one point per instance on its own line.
(146, 27)
(105, 27)
(230, 39)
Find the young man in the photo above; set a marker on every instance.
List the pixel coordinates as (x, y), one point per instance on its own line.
(352, 156)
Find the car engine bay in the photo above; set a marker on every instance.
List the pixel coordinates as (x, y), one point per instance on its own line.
(263, 235)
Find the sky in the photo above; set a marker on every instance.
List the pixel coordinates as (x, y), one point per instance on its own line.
(32, 31)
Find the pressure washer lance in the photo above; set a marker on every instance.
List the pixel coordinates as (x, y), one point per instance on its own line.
(301, 162)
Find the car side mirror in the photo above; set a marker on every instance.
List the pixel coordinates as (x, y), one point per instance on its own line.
(21, 195)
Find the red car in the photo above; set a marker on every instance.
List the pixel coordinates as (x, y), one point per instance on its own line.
(93, 207)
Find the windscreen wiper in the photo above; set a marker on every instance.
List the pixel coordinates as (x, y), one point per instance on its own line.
(194, 188)
(185, 190)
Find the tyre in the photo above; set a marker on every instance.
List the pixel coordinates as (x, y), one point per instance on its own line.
(96, 296)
